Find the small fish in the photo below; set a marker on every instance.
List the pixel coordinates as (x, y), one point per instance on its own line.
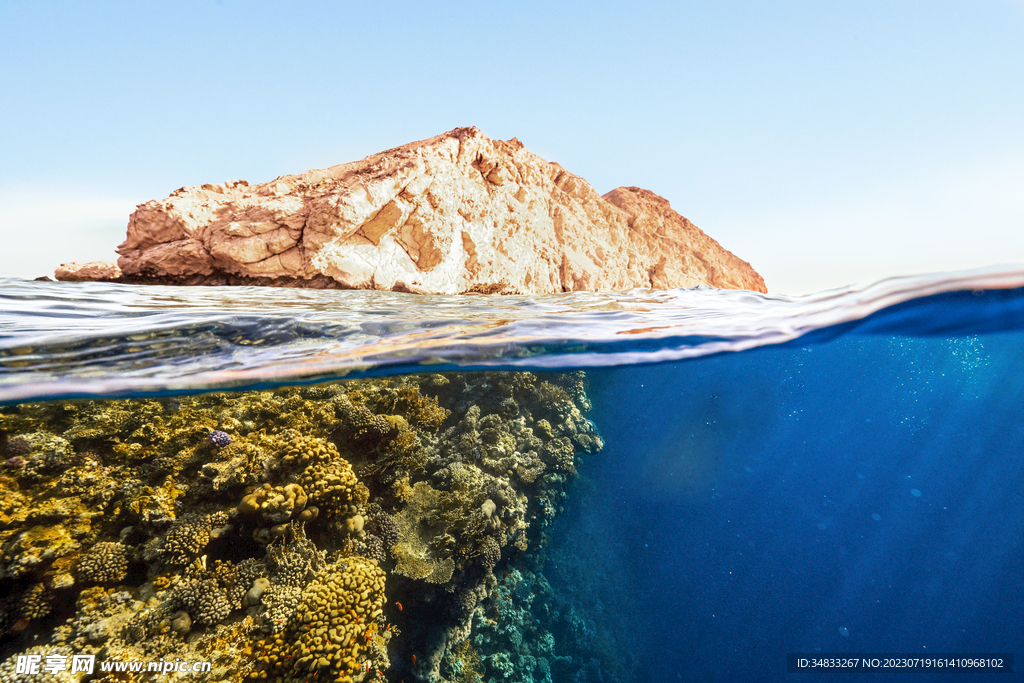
(399, 606)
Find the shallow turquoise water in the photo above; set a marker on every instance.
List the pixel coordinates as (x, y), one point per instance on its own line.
(838, 473)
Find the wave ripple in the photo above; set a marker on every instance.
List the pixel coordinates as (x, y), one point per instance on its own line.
(62, 340)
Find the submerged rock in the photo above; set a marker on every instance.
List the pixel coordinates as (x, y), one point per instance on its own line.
(455, 213)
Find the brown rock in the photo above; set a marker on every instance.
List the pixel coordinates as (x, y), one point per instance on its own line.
(455, 213)
(93, 271)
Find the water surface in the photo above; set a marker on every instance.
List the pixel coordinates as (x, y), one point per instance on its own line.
(734, 476)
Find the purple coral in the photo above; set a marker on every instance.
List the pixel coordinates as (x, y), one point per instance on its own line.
(14, 462)
(375, 549)
(219, 438)
(18, 445)
(383, 526)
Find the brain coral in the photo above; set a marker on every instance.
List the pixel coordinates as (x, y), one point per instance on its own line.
(333, 485)
(326, 478)
(305, 450)
(274, 504)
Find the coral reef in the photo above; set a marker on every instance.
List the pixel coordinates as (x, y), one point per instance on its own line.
(356, 531)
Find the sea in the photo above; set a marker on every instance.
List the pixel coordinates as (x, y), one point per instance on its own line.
(758, 487)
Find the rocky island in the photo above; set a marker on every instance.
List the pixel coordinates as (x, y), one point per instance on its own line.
(456, 213)
(364, 530)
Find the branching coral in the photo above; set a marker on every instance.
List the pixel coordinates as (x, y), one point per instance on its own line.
(104, 563)
(187, 538)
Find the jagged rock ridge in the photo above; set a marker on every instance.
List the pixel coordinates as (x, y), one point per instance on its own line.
(458, 212)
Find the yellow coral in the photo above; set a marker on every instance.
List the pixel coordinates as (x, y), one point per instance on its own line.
(419, 409)
(275, 503)
(326, 479)
(333, 485)
(306, 450)
(559, 452)
(333, 636)
(401, 489)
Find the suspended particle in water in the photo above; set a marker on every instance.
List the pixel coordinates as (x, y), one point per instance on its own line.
(843, 631)
(915, 493)
(875, 516)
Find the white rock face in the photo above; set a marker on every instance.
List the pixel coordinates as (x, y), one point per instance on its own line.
(455, 213)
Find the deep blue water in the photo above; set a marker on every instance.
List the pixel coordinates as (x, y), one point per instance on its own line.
(862, 495)
(837, 473)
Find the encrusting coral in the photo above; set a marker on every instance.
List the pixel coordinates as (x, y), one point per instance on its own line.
(278, 533)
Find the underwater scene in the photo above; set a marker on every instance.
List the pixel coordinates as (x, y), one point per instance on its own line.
(241, 484)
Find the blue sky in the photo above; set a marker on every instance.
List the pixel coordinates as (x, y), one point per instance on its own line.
(826, 143)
